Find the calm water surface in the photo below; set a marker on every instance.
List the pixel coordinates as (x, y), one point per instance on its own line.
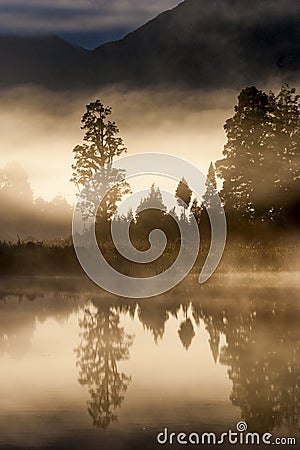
(81, 369)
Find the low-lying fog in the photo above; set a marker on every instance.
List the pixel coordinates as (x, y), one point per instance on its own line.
(39, 129)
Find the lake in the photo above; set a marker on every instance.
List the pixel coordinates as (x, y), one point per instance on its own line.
(84, 369)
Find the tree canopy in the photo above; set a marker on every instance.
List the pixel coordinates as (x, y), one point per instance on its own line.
(101, 143)
(260, 167)
(153, 200)
(211, 187)
(93, 158)
(183, 194)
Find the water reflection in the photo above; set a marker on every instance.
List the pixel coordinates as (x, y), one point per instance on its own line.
(262, 355)
(103, 344)
(186, 331)
(261, 349)
(19, 312)
(253, 332)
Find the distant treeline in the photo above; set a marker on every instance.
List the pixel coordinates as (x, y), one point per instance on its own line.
(27, 218)
(260, 192)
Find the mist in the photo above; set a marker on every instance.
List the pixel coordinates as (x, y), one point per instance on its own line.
(39, 129)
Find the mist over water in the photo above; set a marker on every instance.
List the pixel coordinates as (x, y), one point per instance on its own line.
(215, 355)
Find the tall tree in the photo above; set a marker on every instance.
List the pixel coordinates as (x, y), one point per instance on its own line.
(246, 136)
(208, 203)
(286, 129)
(211, 186)
(260, 167)
(101, 144)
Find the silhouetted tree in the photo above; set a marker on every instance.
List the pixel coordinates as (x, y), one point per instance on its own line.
(244, 167)
(208, 201)
(150, 213)
(95, 156)
(260, 167)
(196, 210)
(184, 195)
(152, 201)
(101, 143)
(211, 186)
(286, 129)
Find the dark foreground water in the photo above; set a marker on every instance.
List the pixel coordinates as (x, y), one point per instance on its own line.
(81, 369)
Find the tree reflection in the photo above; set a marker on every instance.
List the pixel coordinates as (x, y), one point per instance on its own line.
(21, 311)
(103, 343)
(259, 329)
(261, 352)
(214, 340)
(154, 317)
(186, 331)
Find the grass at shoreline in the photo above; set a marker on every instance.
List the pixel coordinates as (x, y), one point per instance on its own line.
(59, 259)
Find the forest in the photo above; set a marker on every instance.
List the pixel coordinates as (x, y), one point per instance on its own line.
(257, 179)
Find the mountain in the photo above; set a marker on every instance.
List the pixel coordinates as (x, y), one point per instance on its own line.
(37, 60)
(199, 43)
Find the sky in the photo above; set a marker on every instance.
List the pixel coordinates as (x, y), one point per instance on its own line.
(87, 23)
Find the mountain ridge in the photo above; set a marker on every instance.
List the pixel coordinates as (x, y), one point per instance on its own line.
(193, 45)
